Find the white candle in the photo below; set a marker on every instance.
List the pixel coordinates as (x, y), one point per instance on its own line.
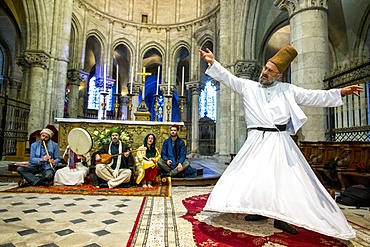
(132, 79)
(117, 80)
(169, 79)
(182, 81)
(156, 91)
(105, 77)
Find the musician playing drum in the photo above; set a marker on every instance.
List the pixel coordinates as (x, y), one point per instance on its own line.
(44, 158)
(76, 170)
(77, 155)
(115, 171)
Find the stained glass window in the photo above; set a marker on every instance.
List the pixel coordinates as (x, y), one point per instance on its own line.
(93, 102)
(207, 100)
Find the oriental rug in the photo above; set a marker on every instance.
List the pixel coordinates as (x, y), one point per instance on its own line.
(226, 229)
(181, 221)
(162, 189)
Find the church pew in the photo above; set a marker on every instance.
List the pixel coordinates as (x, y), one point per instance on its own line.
(349, 155)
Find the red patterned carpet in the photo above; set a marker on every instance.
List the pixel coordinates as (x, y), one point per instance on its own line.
(215, 229)
(162, 189)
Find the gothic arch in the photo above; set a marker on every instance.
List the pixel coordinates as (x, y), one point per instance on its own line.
(202, 64)
(128, 44)
(76, 41)
(265, 52)
(37, 30)
(182, 63)
(152, 45)
(363, 41)
(98, 46)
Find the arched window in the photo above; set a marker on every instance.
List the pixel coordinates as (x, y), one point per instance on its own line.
(208, 100)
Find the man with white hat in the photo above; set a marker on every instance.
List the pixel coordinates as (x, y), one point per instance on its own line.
(44, 157)
(269, 177)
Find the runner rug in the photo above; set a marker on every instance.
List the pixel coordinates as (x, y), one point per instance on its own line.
(162, 189)
(222, 229)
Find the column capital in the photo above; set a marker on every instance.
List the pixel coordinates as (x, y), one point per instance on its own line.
(295, 6)
(194, 86)
(37, 58)
(246, 69)
(21, 62)
(75, 76)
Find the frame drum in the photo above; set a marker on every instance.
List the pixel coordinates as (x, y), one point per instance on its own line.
(80, 141)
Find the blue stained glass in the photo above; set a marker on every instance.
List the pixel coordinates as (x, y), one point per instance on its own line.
(93, 95)
(93, 101)
(208, 100)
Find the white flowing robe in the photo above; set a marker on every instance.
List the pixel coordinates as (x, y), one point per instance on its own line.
(270, 176)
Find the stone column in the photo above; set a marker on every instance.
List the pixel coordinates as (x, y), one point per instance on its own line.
(309, 35)
(59, 49)
(38, 62)
(13, 88)
(246, 69)
(21, 62)
(195, 87)
(75, 77)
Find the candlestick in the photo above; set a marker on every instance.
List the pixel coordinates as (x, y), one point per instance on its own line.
(129, 107)
(169, 80)
(132, 79)
(168, 107)
(182, 81)
(156, 107)
(182, 106)
(156, 91)
(104, 104)
(117, 80)
(116, 107)
(105, 77)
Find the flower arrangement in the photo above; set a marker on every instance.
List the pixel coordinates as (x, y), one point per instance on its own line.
(103, 138)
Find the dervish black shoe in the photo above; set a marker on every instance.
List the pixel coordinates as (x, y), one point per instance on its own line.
(165, 175)
(103, 185)
(285, 227)
(254, 217)
(23, 183)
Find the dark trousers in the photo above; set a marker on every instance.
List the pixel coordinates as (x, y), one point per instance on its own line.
(162, 165)
(28, 172)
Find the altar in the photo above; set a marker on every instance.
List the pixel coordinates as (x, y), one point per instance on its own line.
(135, 130)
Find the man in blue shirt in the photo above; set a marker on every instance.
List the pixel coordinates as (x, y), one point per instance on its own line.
(173, 155)
(42, 161)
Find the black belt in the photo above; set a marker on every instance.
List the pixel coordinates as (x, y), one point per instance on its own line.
(278, 128)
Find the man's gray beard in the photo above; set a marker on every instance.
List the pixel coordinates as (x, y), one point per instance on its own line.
(115, 141)
(267, 82)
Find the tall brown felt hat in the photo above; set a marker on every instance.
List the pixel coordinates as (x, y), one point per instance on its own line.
(284, 57)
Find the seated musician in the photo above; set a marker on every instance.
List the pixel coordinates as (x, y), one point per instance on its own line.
(44, 158)
(114, 170)
(173, 161)
(76, 170)
(146, 160)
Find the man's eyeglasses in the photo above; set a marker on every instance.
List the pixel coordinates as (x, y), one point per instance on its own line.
(270, 70)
